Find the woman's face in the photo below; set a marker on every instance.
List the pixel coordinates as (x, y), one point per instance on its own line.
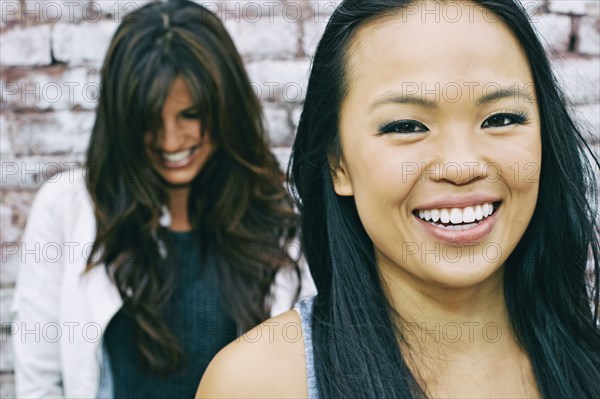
(179, 152)
(440, 139)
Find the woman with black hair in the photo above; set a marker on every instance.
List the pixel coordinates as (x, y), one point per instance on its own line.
(448, 216)
(186, 227)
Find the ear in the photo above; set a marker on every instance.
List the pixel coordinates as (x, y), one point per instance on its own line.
(341, 179)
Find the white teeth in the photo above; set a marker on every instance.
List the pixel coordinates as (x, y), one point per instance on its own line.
(456, 227)
(457, 216)
(486, 210)
(445, 216)
(468, 215)
(177, 156)
(435, 215)
(427, 215)
(478, 212)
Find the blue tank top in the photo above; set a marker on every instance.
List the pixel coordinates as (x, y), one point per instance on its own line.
(304, 307)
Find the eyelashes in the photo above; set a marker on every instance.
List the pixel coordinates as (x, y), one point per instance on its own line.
(497, 120)
(505, 119)
(405, 126)
(190, 114)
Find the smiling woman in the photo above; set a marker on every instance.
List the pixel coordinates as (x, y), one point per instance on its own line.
(452, 137)
(184, 217)
(182, 147)
(448, 215)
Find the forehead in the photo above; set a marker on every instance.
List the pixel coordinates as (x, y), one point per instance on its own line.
(179, 93)
(434, 44)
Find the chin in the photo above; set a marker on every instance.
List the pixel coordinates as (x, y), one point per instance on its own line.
(462, 274)
(178, 178)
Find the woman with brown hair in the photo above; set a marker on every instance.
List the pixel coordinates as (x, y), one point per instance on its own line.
(185, 213)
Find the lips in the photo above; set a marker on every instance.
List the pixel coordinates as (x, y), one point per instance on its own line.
(457, 216)
(179, 159)
(459, 220)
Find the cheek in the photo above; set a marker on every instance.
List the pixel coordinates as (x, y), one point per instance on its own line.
(190, 129)
(518, 165)
(381, 187)
(372, 169)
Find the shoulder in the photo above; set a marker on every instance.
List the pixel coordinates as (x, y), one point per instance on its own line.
(267, 362)
(61, 210)
(62, 189)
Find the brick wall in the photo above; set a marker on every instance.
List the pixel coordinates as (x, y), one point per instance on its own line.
(51, 52)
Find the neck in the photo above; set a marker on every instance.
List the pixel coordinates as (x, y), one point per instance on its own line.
(452, 320)
(457, 341)
(178, 206)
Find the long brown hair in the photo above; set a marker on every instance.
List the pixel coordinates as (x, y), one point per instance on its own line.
(237, 201)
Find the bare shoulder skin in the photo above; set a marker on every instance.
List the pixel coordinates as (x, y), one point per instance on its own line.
(266, 362)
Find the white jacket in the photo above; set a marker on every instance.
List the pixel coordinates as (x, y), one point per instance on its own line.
(60, 312)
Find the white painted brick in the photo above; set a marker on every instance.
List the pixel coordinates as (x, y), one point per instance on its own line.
(9, 265)
(19, 202)
(554, 31)
(13, 223)
(30, 172)
(7, 385)
(10, 11)
(7, 360)
(53, 88)
(295, 115)
(589, 36)
(212, 5)
(533, 7)
(277, 126)
(114, 10)
(279, 80)
(5, 144)
(242, 11)
(264, 38)
(26, 46)
(10, 232)
(53, 11)
(574, 6)
(83, 44)
(580, 79)
(322, 9)
(588, 119)
(313, 31)
(228, 10)
(6, 296)
(49, 133)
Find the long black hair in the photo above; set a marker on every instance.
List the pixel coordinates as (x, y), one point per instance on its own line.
(237, 202)
(551, 278)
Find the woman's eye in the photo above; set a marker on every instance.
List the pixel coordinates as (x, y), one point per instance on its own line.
(402, 127)
(500, 120)
(191, 114)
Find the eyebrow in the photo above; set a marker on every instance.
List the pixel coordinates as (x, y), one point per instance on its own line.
(188, 109)
(504, 93)
(424, 102)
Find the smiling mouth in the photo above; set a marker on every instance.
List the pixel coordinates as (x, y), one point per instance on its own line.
(458, 218)
(177, 159)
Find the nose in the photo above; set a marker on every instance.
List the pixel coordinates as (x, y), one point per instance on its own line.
(169, 137)
(460, 159)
